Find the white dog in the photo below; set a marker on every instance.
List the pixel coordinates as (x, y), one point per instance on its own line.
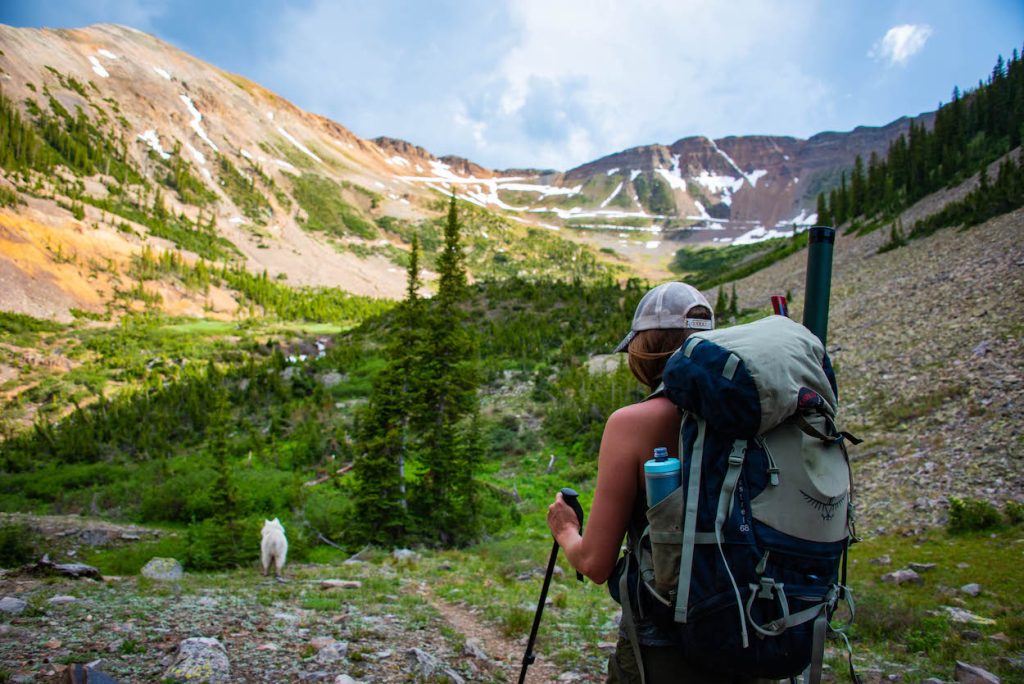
(274, 547)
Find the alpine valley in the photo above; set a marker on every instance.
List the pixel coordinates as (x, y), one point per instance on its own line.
(219, 310)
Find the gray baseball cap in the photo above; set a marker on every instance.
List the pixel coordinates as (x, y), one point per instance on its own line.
(667, 307)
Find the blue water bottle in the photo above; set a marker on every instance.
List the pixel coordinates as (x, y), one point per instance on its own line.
(662, 476)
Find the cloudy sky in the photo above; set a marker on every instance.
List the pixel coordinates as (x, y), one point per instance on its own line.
(555, 83)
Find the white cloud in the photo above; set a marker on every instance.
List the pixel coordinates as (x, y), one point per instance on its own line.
(900, 43)
(587, 78)
(553, 84)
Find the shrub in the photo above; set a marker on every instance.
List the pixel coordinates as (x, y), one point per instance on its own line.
(18, 545)
(972, 515)
(328, 511)
(1014, 512)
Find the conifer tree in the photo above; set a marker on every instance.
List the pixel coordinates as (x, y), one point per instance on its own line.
(722, 303)
(384, 444)
(733, 306)
(445, 496)
(823, 216)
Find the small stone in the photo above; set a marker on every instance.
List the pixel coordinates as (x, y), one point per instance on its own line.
(332, 653)
(921, 567)
(474, 649)
(320, 642)
(14, 606)
(972, 589)
(61, 599)
(902, 577)
(999, 638)
(268, 647)
(340, 584)
(345, 679)
(972, 674)
(881, 560)
(965, 617)
(404, 554)
(970, 635)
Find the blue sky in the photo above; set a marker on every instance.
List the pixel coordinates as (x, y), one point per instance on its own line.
(556, 83)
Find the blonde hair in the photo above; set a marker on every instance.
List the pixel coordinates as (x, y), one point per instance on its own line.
(649, 349)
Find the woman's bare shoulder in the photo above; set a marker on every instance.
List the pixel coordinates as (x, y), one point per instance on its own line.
(656, 409)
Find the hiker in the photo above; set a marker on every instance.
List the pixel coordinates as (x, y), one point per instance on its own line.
(664, 318)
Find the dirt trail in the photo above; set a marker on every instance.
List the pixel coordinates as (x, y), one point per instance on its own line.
(508, 653)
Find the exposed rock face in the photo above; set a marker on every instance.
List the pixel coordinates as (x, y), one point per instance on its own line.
(782, 175)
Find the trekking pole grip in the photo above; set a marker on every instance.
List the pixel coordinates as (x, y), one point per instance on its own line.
(572, 498)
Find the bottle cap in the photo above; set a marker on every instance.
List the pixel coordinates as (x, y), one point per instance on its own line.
(668, 465)
(660, 453)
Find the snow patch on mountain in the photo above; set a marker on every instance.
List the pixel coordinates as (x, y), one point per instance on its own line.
(755, 175)
(151, 138)
(107, 53)
(196, 154)
(760, 234)
(802, 219)
(616, 191)
(98, 68)
(196, 122)
(612, 172)
(718, 184)
(675, 181)
(162, 72)
(293, 141)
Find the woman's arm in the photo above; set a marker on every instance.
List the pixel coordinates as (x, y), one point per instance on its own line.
(594, 554)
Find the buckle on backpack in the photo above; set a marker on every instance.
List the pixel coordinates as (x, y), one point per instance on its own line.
(767, 590)
(738, 453)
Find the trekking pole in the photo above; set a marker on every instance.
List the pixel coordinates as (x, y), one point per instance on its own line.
(818, 287)
(570, 497)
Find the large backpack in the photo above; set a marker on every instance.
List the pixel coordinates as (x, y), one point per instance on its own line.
(742, 562)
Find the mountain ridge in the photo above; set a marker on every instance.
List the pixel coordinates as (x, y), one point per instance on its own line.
(290, 188)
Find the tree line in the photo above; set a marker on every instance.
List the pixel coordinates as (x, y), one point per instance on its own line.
(970, 132)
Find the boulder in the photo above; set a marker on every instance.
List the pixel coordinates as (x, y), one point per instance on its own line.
(163, 569)
(200, 659)
(12, 606)
(972, 674)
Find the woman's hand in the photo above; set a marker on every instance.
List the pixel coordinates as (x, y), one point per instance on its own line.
(562, 521)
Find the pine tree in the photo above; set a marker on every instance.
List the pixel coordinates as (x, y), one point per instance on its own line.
(823, 216)
(445, 495)
(721, 304)
(733, 305)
